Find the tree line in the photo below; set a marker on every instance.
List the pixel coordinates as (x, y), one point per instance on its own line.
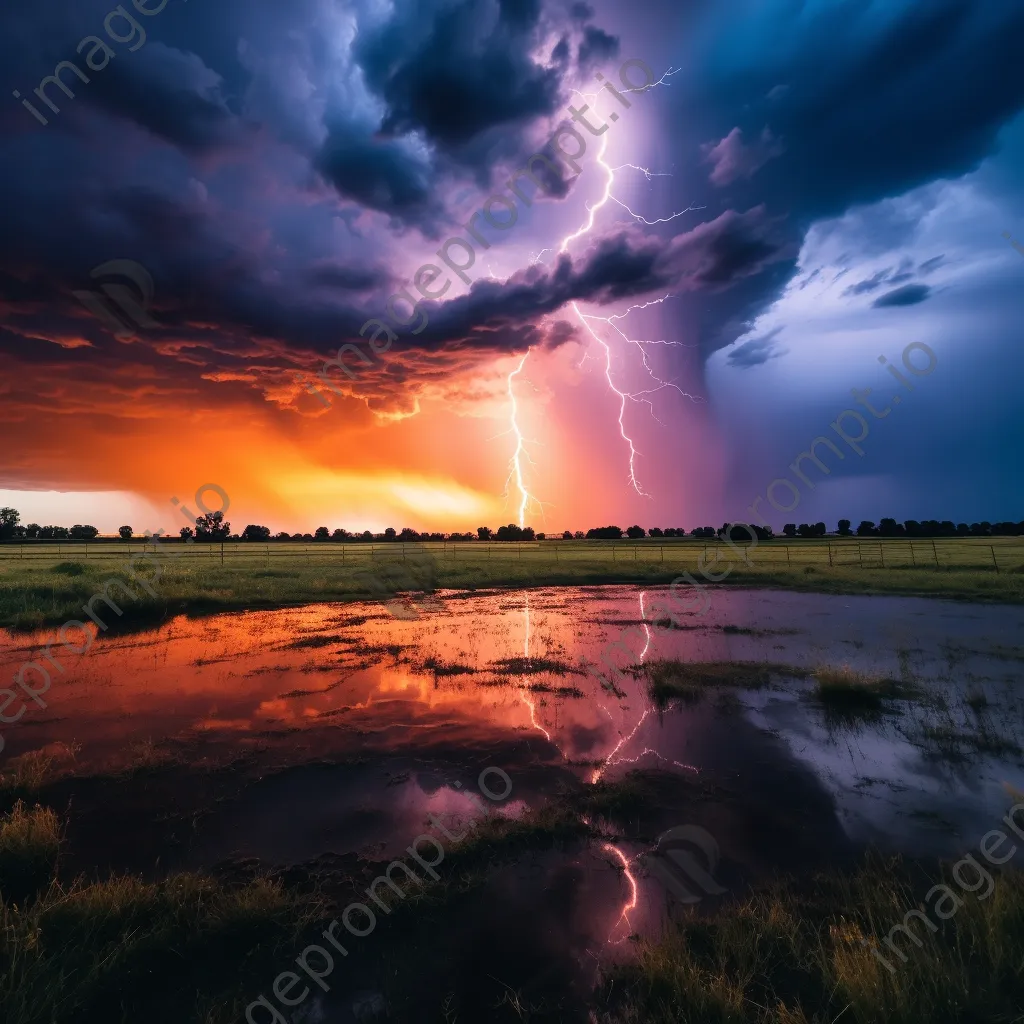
(213, 527)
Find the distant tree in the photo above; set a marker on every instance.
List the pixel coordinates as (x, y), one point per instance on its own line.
(656, 532)
(256, 533)
(820, 529)
(409, 534)
(789, 530)
(483, 532)
(962, 529)
(567, 535)
(528, 533)
(340, 535)
(390, 533)
(212, 527)
(636, 532)
(890, 528)
(186, 533)
(579, 535)
(32, 530)
(282, 536)
(947, 528)
(125, 532)
(542, 536)
(673, 532)
(306, 537)
(844, 528)
(79, 532)
(605, 533)
(9, 519)
(366, 535)
(322, 533)
(866, 529)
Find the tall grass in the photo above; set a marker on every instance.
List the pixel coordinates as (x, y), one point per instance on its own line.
(791, 956)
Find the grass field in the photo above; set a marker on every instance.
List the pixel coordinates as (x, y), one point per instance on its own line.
(46, 583)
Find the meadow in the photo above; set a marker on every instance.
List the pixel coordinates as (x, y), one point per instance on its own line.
(47, 582)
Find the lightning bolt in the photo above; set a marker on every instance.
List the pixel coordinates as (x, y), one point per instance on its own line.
(643, 397)
(515, 463)
(585, 318)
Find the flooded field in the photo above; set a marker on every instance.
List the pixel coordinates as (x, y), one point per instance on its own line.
(332, 734)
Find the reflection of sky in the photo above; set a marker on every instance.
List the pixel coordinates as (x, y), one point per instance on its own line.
(320, 682)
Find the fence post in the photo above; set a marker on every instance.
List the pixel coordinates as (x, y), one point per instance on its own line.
(519, 548)
(912, 558)
(830, 556)
(613, 552)
(935, 555)
(661, 548)
(994, 562)
(222, 552)
(268, 556)
(787, 554)
(881, 553)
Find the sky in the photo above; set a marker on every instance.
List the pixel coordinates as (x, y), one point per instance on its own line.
(777, 194)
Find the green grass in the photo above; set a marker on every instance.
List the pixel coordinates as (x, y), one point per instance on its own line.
(790, 954)
(32, 594)
(187, 948)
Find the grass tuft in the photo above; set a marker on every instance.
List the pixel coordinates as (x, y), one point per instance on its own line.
(689, 680)
(29, 846)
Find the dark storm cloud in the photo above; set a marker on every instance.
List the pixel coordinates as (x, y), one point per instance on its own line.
(596, 48)
(871, 100)
(347, 278)
(757, 351)
(908, 295)
(383, 174)
(454, 73)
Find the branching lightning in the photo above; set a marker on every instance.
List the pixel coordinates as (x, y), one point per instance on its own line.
(643, 397)
(585, 318)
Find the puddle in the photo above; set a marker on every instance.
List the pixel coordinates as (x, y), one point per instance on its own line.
(365, 724)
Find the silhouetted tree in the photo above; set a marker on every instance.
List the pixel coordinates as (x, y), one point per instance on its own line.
(390, 533)
(567, 535)
(636, 532)
(125, 532)
(866, 529)
(9, 519)
(789, 530)
(186, 533)
(579, 535)
(542, 536)
(409, 534)
(322, 533)
(256, 533)
(844, 528)
(605, 533)
(32, 530)
(212, 527)
(79, 532)
(483, 532)
(340, 535)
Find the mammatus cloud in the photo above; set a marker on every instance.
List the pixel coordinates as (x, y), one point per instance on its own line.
(731, 159)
